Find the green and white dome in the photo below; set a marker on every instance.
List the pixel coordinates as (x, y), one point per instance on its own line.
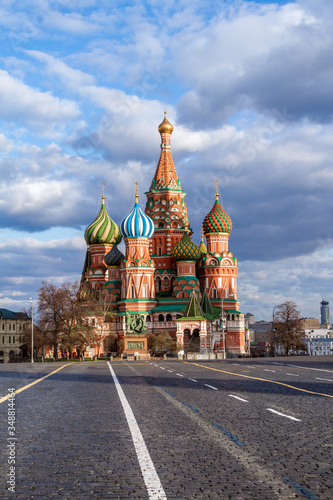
(103, 230)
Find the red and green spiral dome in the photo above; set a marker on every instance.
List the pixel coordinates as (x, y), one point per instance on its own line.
(217, 220)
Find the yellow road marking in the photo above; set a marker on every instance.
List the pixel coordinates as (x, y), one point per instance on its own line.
(32, 383)
(262, 379)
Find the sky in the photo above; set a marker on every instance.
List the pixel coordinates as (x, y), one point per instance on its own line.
(249, 90)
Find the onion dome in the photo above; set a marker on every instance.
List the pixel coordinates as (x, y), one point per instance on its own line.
(185, 249)
(137, 224)
(103, 230)
(165, 126)
(202, 246)
(114, 257)
(217, 220)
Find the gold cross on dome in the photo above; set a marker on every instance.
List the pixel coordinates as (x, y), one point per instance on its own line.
(136, 192)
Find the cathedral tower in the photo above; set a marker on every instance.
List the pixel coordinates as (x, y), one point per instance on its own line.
(100, 235)
(137, 268)
(167, 208)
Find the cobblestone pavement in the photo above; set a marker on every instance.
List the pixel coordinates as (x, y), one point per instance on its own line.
(235, 429)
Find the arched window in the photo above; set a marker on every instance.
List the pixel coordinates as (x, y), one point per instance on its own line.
(148, 318)
(158, 284)
(165, 281)
(161, 224)
(1, 353)
(160, 317)
(214, 295)
(168, 317)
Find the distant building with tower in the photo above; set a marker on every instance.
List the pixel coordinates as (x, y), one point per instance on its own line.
(325, 313)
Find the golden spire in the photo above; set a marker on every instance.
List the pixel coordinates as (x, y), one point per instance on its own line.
(103, 197)
(217, 191)
(165, 126)
(136, 193)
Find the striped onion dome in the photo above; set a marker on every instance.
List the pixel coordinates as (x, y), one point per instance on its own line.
(114, 257)
(103, 230)
(137, 224)
(185, 249)
(217, 220)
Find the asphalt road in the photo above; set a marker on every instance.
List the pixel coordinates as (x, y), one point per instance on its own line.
(236, 429)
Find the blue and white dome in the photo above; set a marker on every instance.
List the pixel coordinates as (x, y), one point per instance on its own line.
(137, 224)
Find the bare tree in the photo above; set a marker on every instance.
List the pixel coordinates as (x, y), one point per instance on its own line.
(61, 317)
(102, 308)
(286, 327)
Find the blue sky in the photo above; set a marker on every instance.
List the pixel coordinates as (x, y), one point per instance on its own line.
(249, 91)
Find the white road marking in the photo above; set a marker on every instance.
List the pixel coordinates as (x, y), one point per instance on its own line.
(193, 380)
(152, 481)
(327, 379)
(283, 415)
(179, 375)
(293, 374)
(162, 368)
(171, 371)
(211, 387)
(266, 370)
(237, 397)
(308, 368)
(276, 363)
(248, 366)
(235, 364)
(156, 365)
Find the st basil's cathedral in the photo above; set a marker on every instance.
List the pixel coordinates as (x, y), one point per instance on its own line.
(164, 278)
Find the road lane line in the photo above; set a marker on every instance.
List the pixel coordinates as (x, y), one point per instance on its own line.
(211, 387)
(32, 383)
(307, 493)
(231, 436)
(248, 366)
(327, 379)
(193, 379)
(261, 379)
(293, 374)
(171, 371)
(237, 397)
(179, 375)
(283, 415)
(266, 370)
(192, 407)
(309, 368)
(152, 481)
(162, 368)
(276, 363)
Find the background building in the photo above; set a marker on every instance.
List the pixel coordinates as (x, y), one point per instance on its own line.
(12, 328)
(325, 313)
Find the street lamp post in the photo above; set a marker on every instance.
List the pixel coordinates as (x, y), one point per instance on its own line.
(223, 320)
(274, 330)
(32, 331)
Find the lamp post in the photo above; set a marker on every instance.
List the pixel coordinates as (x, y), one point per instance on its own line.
(274, 330)
(311, 339)
(32, 331)
(223, 333)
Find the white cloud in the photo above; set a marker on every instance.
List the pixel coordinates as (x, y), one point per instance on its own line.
(31, 107)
